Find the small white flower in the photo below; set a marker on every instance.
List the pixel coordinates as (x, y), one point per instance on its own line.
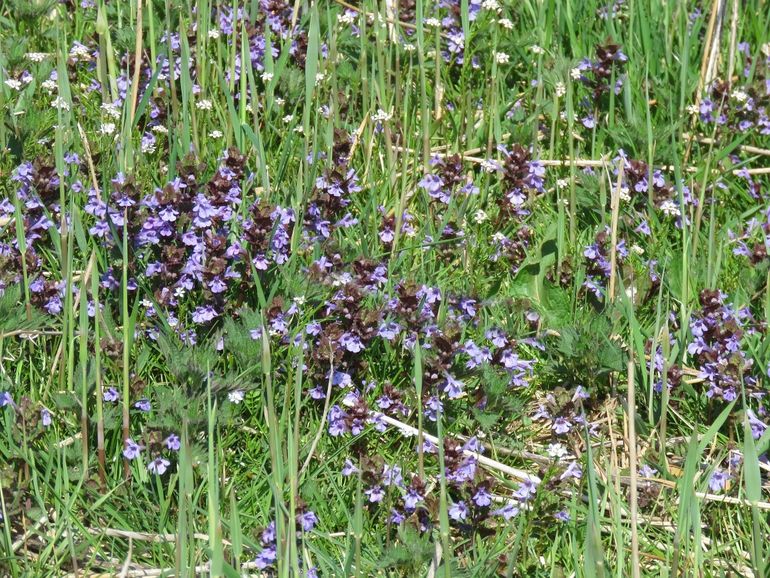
(498, 237)
(624, 194)
(107, 128)
(110, 110)
(146, 303)
(299, 129)
(319, 77)
(637, 249)
(480, 216)
(214, 33)
(267, 77)
(37, 56)
(505, 23)
(489, 166)
(216, 134)
(49, 85)
(502, 57)
(179, 292)
(561, 90)
(300, 300)
(288, 118)
(562, 183)
(490, 5)
(410, 47)
(160, 129)
(557, 451)
(81, 52)
(381, 116)
(434, 22)
(692, 109)
(235, 396)
(670, 209)
(766, 49)
(204, 105)
(60, 103)
(576, 73)
(279, 101)
(740, 96)
(13, 83)
(536, 49)
(347, 17)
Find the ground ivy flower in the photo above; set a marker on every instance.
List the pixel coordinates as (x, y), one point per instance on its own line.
(718, 480)
(143, 405)
(172, 442)
(132, 449)
(307, 520)
(508, 511)
(158, 466)
(482, 498)
(375, 493)
(458, 511)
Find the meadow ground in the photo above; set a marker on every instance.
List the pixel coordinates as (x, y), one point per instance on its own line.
(403, 288)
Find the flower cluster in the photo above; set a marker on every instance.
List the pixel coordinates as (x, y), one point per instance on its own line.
(717, 333)
(597, 259)
(447, 179)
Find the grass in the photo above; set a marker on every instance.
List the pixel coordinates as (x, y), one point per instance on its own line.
(417, 289)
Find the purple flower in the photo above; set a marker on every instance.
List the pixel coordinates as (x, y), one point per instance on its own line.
(132, 449)
(458, 511)
(143, 405)
(412, 498)
(158, 466)
(573, 470)
(389, 330)
(375, 493)
(718, 480)
(647, 471)
(173, 442)
(45, 417)
(307, 520)
(351, 342)
(6, 399)
(266, 557)
(391, 476)
(453, 387)
(111, 395)
(527, 490)
(508, 511)
(482, 498)
(349, 468)
(562, 516)
(337, 425)
(317, 392)
(561, 425)
(758, 427)
(204, 314)
(433, 407)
